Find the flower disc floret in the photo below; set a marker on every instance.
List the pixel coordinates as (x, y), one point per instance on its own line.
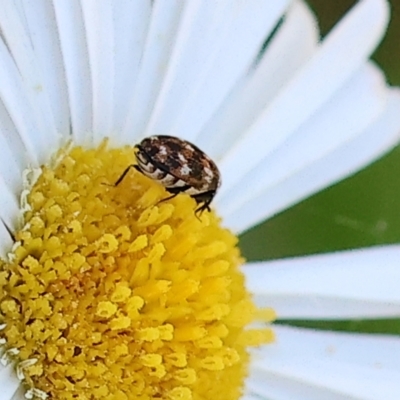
(111, 293)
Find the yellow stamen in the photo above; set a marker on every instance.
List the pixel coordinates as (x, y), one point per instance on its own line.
(112, 294)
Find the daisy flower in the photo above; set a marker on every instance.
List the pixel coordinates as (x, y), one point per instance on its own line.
(109, 291)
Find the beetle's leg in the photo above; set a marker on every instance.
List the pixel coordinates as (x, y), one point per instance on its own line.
(175, 191)
(119, 180)
(168, 198)
(204, 200)
(204, 206)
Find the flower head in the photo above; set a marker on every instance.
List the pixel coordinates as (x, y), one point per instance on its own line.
(109, 291)
(108, 294)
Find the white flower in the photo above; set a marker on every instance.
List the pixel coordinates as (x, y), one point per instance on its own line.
(283, 115)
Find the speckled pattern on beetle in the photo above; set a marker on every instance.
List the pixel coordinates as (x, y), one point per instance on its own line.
(179, 166)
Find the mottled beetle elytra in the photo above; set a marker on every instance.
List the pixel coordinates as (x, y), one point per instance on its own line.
(179, 166)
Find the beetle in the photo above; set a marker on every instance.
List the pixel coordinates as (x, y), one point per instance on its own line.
(178, 165)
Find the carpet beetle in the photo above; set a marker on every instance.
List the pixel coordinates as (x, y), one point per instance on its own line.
(179, 166)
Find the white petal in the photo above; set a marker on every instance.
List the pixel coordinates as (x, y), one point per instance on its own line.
(9, 206)
(373, 143)
(8, 382)
(23, 88)
(216, 44)
(252, 396)
(346, 115)
(43, 33)
(352, 284)
(311, 365)
(340, 55)
(99, 29)
(13, 158)
(19, 394)
(201, 30)
(131, 23)
(159, 44)
(5, 240)
(16, 112)
(290, 47)
(72, 38)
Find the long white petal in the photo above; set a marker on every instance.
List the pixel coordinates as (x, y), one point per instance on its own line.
(351, 284)
(72, 38)
(24, 90)
(216, 44)
(201, 30)
(248, 396)
(44, 37)
(99, 29)
(5, 240)
(8, 382)
(9, 204)
(373, 143)
(18, 395)
(164, 23)
(341, 54)
(12, 162)
(17, 113)
(131, 24)
(312, 365)
(345, 116)
(290, 47)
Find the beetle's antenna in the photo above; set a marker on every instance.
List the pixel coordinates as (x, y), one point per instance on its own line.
(119, 180)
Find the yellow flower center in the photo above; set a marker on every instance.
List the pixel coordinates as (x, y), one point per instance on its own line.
(111, 294)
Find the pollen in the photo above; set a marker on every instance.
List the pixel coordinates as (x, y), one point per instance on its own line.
(111, 293)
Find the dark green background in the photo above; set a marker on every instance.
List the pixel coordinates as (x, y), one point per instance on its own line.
(361, 211)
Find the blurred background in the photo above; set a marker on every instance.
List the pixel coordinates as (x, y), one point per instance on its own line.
(363, 210)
